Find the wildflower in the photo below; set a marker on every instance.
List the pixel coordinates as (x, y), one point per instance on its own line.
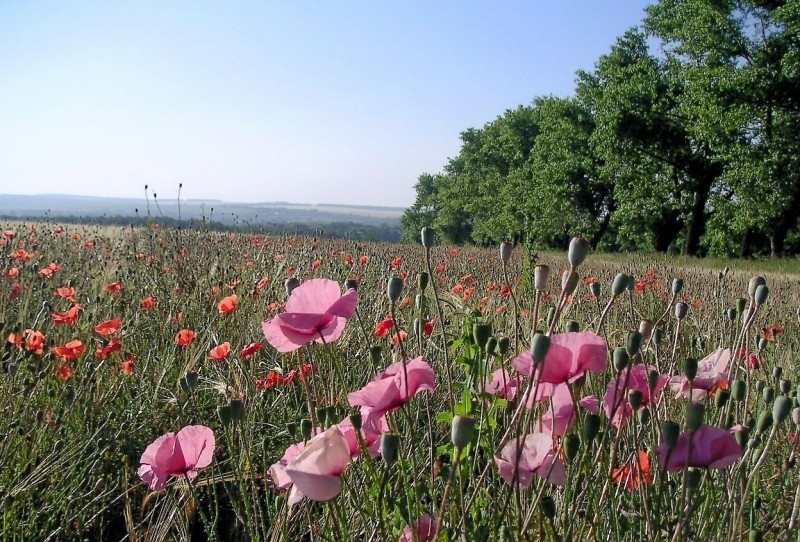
(772, 331)
(127, 365)
(219, 353)
(181, 454)
(63, 372)
(113, 287)
(364, 259)
(400, 336)
(316, 311)
(70, 351)
(428, 328)
(185, 337)
(501, 384)
(534, 455)
(20, 255)
(422, 530)
(109, 327)
(711, 374)
(383, 327)
(559, 417)
(228, 304)
(393, 388)
(316, 471)
(104, 351)
(711, 447)
(270, 381)
(632, 476)
(397, 262)
(569, 357)
(615, 401)
(262, 283)
(69, 317)
(66, 293)
(34, 341)
(251, 349)
(11, 273)
(147, 303)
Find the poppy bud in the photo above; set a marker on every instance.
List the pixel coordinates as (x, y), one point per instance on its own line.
(548, 506)
(777, 372)
(731, 314)
(491, 346)
(356, 420)
(781, 408)
(503, 345)
(658, 334)
(680, 310)
(540, 275)
(739, 389)
(633, 343)
(420, 302)
(677, 286)
(764, 421)
(762, 343)
(644, 415)
(669, 433)
(762, 292)
(594, 288)
(428, 236)
(573, 326)
(619, 284)
(551, 314)
(224, 413)
(481, 333)
(322, 416)
(652, 380)
(721, 398)
(768, 394)
(540, 345)
(785, 386)
(351, 284)
(569, 281)
(690, 368)
(620, 358)
(741, 437)
(693, 477)
(728, 421)
(645, 328)
(578, 250)
(390, 444)
(505, 251)
(375, 354)
(755, 535)
(290, 284)
(571, 446)
(394, 288)
(291, 428)
(755, 282)
(237, 410)
(695, 412)
(740, 305)
(796, 415)
(422, 281)
(191, 379)
(591, 426)
(305, 428)
(461, 430)
(635, 398)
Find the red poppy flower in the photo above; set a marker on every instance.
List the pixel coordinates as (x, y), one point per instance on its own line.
(63, 373)
(364, 260)
(383, 327)
(69, 317)
(21, 255)
(34, 341)
(251, 349)
(113, 287)
(632, 476)
(397, 262)
(270, 381)
(772, 331)
(66, 293)
(11, 273)
(263, 283)
(70, 351)
(147, 303)
(103, 351)
(429, 326)
(219, 353)
(228, 304)
(127, 365)
(185, 337)
(109, 327)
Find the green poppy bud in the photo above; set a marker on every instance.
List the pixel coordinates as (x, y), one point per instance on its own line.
(594, 289)
(224, 413)
(785, 386)
(578, 250)
(742, 437)
(503, 345)
(645, 328)
(653, 377)
(375, 354)
(619, 284)
(551, 314)
(721, 398)
(633, 343)
(669, 433)
(764, 421)
(620, 358)
(741, 304)
(237, 410)
(762, 343)
(394, 289)
(755, 535)
(356, 420)
(540, 345)
(390, 445)
(635, 398)
(768, 394)
(491, 346)
(739, 389)
(548, 506)
(571, 446)
(796, 415)
(755, 282)
(428, 236)
(781, 408)
(540, 276)
(762, 292)
(731, 313)
(291, 428)
(481, 333)
(777, 372)
(290, 284)
(305, 428)
(681, 309)
(573, 326)
(677, 286)
(591, 426)
(569, 281)
(695, 412)
(422, 281)
(462, 430)
(644, 415)
(690, 368)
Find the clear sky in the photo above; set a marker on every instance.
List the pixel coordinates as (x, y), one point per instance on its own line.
(299, 101)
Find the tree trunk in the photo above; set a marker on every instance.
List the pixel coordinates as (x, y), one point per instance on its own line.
(744, 249)
(697, 220)
(602, 230)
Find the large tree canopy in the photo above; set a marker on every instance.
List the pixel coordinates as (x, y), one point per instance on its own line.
(684, 136)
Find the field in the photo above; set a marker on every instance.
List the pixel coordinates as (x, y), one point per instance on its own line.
(159, 384)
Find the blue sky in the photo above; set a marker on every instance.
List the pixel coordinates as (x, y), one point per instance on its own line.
(300, 101)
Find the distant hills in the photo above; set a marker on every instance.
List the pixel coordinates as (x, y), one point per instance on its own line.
(260, 213)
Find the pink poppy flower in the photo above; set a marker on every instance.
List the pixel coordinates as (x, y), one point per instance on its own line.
(536, 457)
(316, 471)
(615, 402)
(711, 374)
(569, 357)
(501, 384)
(560, 416)
(184, 453)
(316, 311)
(423, 529)
(391, 389)
(712, 447)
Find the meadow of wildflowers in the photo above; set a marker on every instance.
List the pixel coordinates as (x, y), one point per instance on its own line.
(166, 384)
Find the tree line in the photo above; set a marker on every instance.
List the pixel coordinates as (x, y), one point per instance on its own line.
(684, 137)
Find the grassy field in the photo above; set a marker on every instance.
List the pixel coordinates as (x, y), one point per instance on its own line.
(422, 406)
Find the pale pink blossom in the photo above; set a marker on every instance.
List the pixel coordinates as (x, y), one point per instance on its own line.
(181, 454)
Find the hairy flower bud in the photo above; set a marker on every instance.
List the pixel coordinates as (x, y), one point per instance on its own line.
(578, 250)
(505, 251)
